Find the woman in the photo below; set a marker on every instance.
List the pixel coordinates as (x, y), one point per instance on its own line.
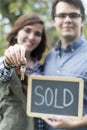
(26, 44)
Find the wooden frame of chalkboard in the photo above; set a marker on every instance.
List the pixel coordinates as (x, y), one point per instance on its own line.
(51, 95)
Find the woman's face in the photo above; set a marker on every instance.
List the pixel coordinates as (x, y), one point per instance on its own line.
(30, 36)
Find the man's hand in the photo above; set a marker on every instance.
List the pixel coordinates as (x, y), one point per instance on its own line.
(66, 122)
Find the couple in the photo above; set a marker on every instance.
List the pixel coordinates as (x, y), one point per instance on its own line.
(26, 45)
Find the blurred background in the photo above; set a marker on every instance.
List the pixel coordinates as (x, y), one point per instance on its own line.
(10, 10)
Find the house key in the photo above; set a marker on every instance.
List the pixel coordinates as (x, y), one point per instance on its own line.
(22, 70)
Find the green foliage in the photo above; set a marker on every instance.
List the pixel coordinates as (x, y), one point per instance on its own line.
(2, 45)
(85, 28)
(2, 48)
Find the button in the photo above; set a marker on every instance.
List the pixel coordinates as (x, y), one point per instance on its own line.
(58, 71)
(72, 49)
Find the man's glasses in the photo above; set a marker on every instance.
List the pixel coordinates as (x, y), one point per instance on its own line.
(71, 15)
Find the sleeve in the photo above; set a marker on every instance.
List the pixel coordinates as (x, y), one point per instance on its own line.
(5, 74)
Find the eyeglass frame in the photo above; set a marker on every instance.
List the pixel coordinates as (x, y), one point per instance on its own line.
(72, 15)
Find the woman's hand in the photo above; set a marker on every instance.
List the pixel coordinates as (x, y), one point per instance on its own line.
(15, 55)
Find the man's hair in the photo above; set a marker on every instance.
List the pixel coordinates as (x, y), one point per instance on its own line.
(77, 3)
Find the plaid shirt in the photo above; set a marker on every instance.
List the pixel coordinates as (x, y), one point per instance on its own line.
(40, 124)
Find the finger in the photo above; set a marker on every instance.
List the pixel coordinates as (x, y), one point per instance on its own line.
(54, 121)
(17, 55)
(8, 56)
(12, 55)
(50, 122)
(23, 58)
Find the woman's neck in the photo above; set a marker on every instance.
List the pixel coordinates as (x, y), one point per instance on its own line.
(29, 60)
(28, 57)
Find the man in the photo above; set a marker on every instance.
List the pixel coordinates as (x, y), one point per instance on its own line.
(69, 57)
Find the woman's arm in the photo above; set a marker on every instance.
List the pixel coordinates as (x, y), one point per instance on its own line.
(5, 73)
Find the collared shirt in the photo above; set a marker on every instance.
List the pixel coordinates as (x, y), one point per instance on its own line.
(69, 62)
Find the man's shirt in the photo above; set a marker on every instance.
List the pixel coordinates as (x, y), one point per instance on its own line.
(69, 62)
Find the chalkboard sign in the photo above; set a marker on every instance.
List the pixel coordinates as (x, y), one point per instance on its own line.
(54, 95)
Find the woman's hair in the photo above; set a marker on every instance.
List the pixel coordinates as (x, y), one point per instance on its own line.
(21, 22)
(77, 3)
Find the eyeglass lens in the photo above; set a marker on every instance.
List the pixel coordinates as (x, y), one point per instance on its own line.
(71, 15)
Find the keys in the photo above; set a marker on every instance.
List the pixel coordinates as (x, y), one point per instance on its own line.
(22, 70)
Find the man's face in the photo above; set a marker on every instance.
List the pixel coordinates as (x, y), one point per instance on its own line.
(68, 21)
